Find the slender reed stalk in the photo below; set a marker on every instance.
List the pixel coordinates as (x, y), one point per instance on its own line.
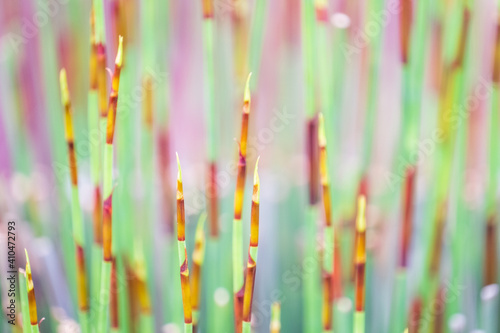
(328, 231)
(311, 291)
(208, 53)
(406, 230)
(106, 269)
(435, 253)
(275, 325)
(360, 259)
(256, 38)
(490, 254)
(238, 280)
(31, 296)
(252, 253)
(101, 74)
(143, 247)
(23, 295)
(183, 259)
(113, 298)
(147, 149)
(198, 258)
(375, 55)
(78, 228)
(214, 312)
(95, 147)
(398, 312)
(459, 239)
(323, 55)
(93, 127)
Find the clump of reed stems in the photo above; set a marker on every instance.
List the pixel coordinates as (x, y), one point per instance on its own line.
(252, 253)
(183, 259)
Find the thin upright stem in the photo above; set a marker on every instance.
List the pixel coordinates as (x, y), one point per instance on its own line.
(183, 259)
(360, 260)
(252, 253)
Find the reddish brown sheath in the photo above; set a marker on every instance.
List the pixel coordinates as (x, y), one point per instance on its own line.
(107, 228)
(415, 314)
(249, 288)
(337, 269)
(213, 207)
(102, 80)
(496, 57)
(437, 241)
(147, 87)
(327, 312)
(113, 297)
(490, 254)
(208, 9)
(459, 60)
(82, 279)
(405, 19)
(312, 152)
(360, 259)
(97, 216)
(186, 293)
(406, 229)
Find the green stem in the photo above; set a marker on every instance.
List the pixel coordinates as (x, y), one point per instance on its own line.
(100, 27)
(173, 313)
(23, 295)
(103, 313)
(102, 320)
(247, 328)
(256, 40)
(373, 85)
(359, 322)
(398, 320)
(146, 323)
(83, 319)
(311, 289)
(237, 256)
(93, 131)
(308, 36)
(493, 158)
(208, 45)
